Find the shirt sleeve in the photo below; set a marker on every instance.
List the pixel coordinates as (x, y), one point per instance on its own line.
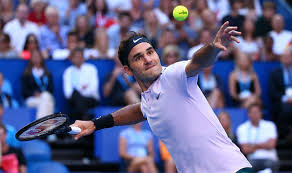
(241, 135)
(67, 85)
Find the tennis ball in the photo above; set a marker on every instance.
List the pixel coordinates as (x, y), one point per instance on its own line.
(180, 13)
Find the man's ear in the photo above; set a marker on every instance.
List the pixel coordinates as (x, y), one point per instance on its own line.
(128, 70)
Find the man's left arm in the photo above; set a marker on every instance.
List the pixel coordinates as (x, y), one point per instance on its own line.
(206, 56)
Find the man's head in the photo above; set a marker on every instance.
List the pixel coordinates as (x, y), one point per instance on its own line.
(139, 58)
(278, 23)
(2, 134)
(286, 58)
(72, 40)
(269, 9)
(170, 55)
(125, 20)
(76, 56)
(254, 113)
(22, 12)
(52, 15)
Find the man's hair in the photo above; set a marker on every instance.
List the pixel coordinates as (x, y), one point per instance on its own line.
(254, 105)
(72, 33)
(269, 5)
(124, 14)
(76, 50)
(123, 48)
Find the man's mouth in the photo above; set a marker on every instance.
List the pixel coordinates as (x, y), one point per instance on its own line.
(150, 66)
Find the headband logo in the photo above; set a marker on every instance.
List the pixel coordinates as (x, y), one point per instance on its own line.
(135, 41)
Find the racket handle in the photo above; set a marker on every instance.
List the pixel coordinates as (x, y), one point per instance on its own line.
(74, 130)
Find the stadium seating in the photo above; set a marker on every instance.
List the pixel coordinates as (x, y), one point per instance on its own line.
(48, 167)
(36, 151)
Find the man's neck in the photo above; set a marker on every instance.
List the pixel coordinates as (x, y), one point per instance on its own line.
(255, 124)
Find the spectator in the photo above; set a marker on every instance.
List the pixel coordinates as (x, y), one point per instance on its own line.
(31, 44)
(137, 13)
(116, 33)
(20, 27)
(101, 48)
(12, 158)
(152, 28)
(119, 88)
(244, 85)
(248, 43)
(76, 8)
(220, 7)
(251, 9)
(205, 37)
(53, 35)
(280, 83)
(119, 6)
(167, 38)
(258, 139)
(136, 149)
(163, 12)
(209, 21)
(6, 98)
(280, 36)
(80, 82)
(6, 10)
(84, 31)
(170, 55)
(234, 18)
(10, 131)
(267, 53)
(72, 43)
(169, 165)
(61, 6)
(225, 121)
(212, 87)
(37, 85)
(100, 15)
(37, 14)
(6, 51)
(264, 22)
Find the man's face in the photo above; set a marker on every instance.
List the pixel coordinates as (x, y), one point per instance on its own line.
(255, 114)
(286, 58)
(77, 59)
(144, 63)
(22, 12)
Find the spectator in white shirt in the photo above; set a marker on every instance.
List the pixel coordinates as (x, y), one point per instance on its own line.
(80, 82)
(257, 139)
(280, 36)
(20, 27)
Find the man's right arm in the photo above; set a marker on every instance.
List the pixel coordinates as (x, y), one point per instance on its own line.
(130, 114)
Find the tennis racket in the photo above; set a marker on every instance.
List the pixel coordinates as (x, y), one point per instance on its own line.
(57, 123)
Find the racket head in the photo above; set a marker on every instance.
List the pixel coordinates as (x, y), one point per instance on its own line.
(42, 127)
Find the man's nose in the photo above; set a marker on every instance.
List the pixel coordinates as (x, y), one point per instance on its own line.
(147, 59)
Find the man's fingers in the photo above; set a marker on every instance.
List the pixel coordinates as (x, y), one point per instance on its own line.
(230, 28)
(236, 33)
(221, 47)
(234, 39)
(223, 27)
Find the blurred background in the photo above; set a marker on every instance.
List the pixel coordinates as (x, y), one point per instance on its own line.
(61, 56)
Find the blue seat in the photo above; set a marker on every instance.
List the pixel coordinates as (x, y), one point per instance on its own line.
(36, 151)
(48, 167)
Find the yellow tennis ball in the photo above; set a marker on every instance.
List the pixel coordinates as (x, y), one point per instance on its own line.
(180, 12)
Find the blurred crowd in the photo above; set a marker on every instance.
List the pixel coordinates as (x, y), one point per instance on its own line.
(80, 30)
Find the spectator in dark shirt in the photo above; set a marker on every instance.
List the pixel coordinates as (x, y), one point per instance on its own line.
(264, 22)
(234, 18)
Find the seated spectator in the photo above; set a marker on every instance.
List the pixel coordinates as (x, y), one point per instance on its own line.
(10, 131)
(170, 55)
(119, 88)
(244, 85)
(6, 98)
(220, 7)
(100, 48)
(37, 85)
(280, 36)
(31, 44)
(167, 37)
(267, 53)
(163, 12)
(74, 9)
(100, 15)
(196, 9)
(258, 139)
(169, 165)
(280, 86)
(80, 84)
(209, 21)
(6, 10)
(212, 87)
(264, 23)
(248, 43)
(37, 14)
(52, 34)
(12, 158)
(72, 43)
(234, 17)
(205, 37)
(20, 27)
(84, 31)
(6, 51)
(225, 121)
(137, 13)
(136, 149)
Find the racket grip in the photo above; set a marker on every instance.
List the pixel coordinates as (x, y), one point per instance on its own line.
(74, 130)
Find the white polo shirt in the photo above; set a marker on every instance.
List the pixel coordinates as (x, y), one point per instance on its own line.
(179, 114)
(249, 134)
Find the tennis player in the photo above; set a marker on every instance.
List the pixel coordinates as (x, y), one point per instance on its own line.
(175, 108)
